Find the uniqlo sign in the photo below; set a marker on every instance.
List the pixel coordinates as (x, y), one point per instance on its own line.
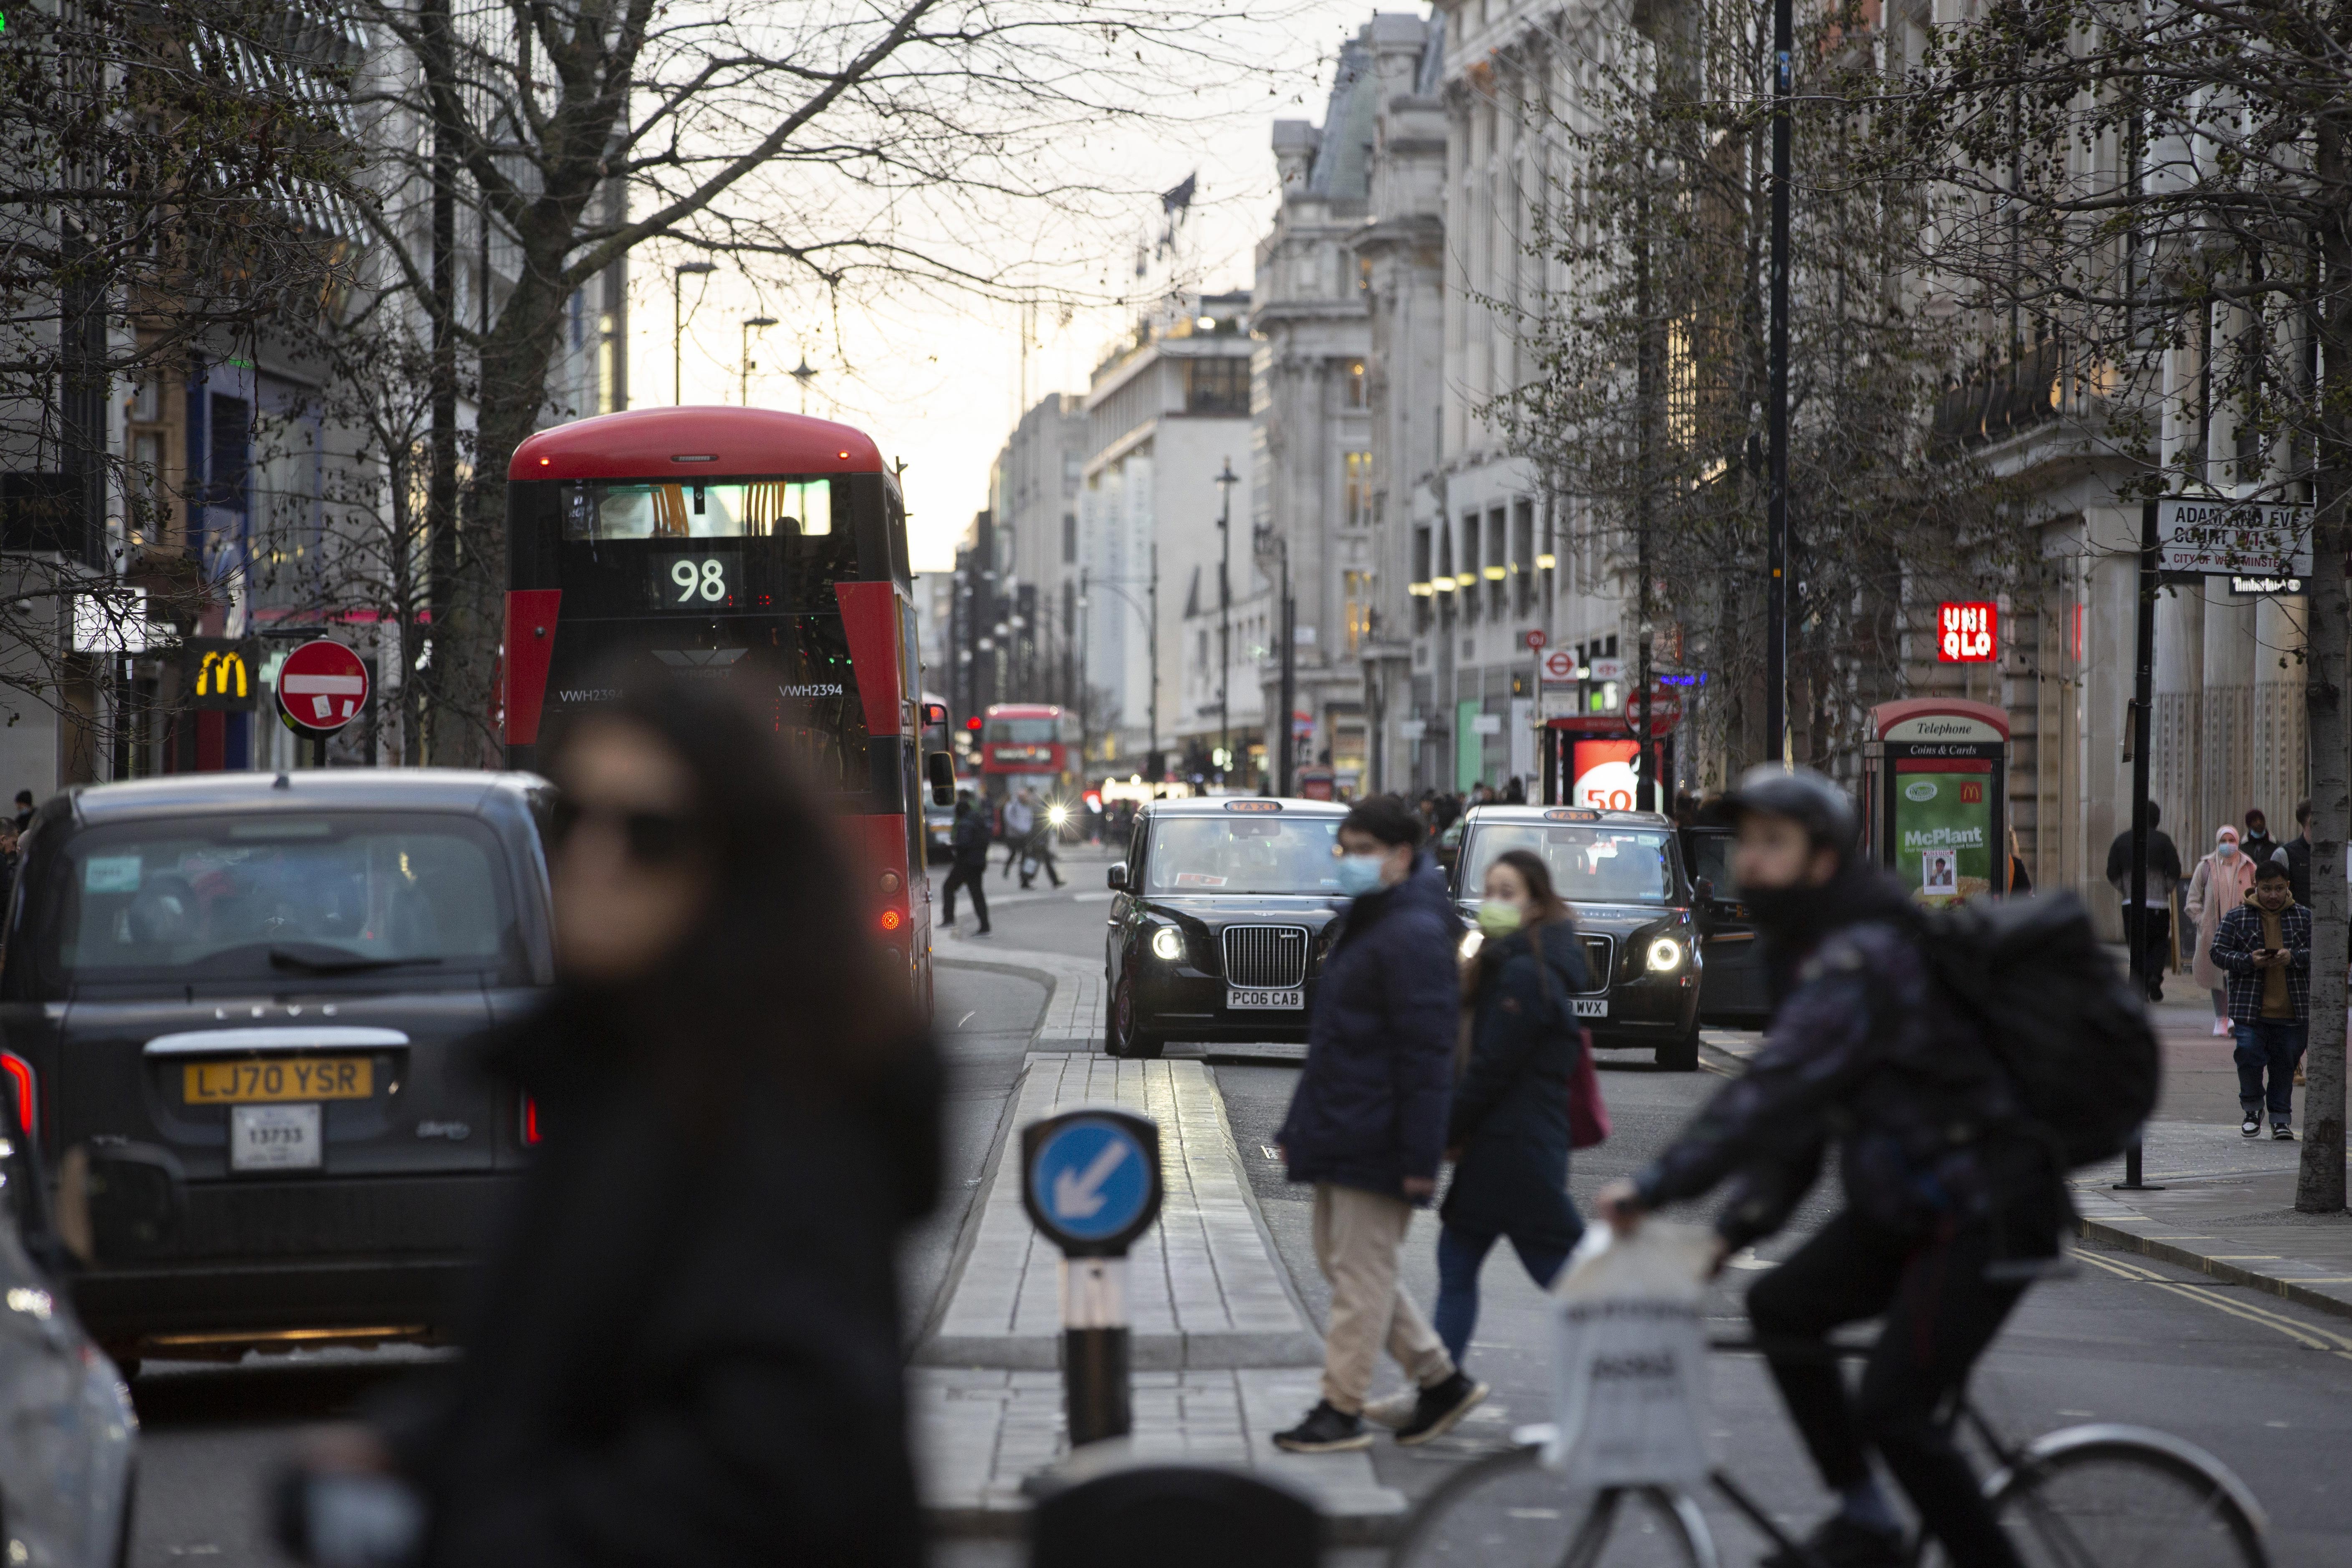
(1964, 634)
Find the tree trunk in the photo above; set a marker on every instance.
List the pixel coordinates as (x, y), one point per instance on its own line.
(441, 481)
(2319, 1185)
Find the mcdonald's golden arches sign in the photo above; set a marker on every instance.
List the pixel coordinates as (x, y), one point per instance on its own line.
(220, 673)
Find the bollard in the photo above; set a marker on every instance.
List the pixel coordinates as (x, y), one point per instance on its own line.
(2131, 1182)
(1091, 1186)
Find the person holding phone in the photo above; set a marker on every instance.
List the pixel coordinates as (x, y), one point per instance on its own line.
(2265, 946)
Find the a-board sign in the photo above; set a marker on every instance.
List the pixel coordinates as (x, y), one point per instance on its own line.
(1090, 1179)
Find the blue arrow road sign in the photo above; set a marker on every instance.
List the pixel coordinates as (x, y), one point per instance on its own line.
(1090, 1179)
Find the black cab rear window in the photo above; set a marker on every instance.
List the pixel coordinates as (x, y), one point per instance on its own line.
(245, 897)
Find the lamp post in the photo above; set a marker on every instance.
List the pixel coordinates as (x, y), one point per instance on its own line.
(804, 373)
(1776, 407)
(1285, 749)
(750, 322)
(1226, 480)
(677, 323)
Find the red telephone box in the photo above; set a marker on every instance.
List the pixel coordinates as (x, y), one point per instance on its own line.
(1934, 797)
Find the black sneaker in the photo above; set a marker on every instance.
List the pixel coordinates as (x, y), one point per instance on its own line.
(1440, 1407)
(1840, 1542)
(2252, 1126)
(2283, 1132)
(1327, 1430)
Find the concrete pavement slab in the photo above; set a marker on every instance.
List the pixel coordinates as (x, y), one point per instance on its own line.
(1205, 1288)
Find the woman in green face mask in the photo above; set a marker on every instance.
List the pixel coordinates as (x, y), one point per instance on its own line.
(1508, 1135)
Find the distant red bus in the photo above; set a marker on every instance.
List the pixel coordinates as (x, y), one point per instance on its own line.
(1029, 744)
(764, 549)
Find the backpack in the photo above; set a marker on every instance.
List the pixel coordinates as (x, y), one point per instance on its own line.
(2051, 1007)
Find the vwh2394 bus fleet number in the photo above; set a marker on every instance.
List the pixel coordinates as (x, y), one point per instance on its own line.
(697, 582)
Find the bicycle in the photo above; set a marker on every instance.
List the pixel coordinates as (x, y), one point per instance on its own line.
(2104, 1495)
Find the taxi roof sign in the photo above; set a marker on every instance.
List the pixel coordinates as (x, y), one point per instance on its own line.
(1570, 814)
(1253, 805)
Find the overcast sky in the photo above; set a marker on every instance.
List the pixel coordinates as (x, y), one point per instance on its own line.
(938, 380)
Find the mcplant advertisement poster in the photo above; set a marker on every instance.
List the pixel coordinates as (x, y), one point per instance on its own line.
(1943, 835)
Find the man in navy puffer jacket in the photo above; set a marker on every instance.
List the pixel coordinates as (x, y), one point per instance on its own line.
(1367, 1125)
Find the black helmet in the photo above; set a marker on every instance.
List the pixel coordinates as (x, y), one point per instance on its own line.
(1800, 795)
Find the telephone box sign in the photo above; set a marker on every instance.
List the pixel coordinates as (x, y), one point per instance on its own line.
(2223, 538)
(1967, 632)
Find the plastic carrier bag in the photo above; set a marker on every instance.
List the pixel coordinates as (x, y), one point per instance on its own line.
(1630, 1397)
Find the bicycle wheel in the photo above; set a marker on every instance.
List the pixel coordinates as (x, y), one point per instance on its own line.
(2123, 1502)
(1509, 1511)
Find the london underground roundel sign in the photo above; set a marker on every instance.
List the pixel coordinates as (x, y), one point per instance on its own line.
(323, 686)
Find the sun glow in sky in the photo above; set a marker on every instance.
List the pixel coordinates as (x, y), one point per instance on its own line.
(939, 377)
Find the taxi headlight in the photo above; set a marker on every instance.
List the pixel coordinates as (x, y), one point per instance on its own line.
(1665, 953)
(1168, 942)
(1472, 941)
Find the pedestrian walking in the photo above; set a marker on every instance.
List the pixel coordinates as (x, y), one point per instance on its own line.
(2021, 881)
(1020, 822)
(24, 809)
(2256, 840)
(2295, 855)
(2264, 944)
(686, 1346)
(1368, 1121)
(1943, 1180)
(1507, 1133)
(2163, 875)
(1046, 830)
(968, 867)
(2219, 884)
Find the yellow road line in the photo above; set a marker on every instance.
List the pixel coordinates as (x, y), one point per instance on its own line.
(2303, 1334)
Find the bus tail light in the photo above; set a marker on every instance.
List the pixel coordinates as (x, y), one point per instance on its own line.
(23, 1088)
(893, 922)
(529, 1122)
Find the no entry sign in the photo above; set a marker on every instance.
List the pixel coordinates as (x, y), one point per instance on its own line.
(323, 686)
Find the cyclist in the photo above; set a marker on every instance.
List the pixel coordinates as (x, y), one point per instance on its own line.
(1943, 1180)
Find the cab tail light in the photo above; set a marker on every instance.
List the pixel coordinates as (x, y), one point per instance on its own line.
(530, 1121)
(23, 1089)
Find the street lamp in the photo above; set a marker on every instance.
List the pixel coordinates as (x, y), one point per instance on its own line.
(804, 373)
(678, 324)
(750, 322)
(1226, 480)
(1262, 539)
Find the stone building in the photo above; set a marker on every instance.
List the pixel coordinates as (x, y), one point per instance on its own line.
(1034, 498)
(1166, 410)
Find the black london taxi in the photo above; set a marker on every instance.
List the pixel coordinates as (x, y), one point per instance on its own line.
(1622, 874)
(269, 977)
(1220, 920)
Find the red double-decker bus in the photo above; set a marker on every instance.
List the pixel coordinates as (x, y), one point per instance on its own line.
(732, 544)
(1030, 745)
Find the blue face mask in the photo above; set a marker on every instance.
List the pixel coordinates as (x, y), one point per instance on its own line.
(1360, 874)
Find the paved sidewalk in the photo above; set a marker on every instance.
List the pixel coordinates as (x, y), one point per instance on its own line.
(980, 1434)
(1205, 1288)
(1074, 1004)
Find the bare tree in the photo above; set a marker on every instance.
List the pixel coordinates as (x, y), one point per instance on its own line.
(163, 193)
(2166, 192)
(835, 147)
(1646, 413)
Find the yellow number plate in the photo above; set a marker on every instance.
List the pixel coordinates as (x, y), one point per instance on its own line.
(278, 1078)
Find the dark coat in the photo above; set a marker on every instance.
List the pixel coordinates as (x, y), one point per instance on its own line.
(2235, 939)
(1369, 1109)
(687, 1349)
(970, 839)
(1865, 1052)
(1510, 1108)
(2163, 864)
(2297, 853)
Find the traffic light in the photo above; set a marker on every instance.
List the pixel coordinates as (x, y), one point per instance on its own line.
(973, 723)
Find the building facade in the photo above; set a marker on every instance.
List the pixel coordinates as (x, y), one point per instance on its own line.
(1168, 412)
(1034, 498)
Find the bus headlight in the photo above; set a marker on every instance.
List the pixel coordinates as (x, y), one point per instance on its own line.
(1665, 953)
(1168, 942)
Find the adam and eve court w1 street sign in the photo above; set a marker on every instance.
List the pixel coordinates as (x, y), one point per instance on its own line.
(1091, 1179)
(2216, 537)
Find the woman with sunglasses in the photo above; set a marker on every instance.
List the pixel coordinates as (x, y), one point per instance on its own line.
(687, 1348)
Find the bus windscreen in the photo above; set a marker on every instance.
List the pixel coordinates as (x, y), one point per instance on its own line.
(672, 548)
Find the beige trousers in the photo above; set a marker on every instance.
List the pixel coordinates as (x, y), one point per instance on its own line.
(1356, 1234)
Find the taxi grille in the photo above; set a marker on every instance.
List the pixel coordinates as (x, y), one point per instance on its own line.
(1600, 958)
(1265, 957)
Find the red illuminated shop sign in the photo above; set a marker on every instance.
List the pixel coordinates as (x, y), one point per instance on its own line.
(1966, 634)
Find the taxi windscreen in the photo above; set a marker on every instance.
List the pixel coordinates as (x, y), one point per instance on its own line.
(1219, 855)
(1589, 865)
(246, 896)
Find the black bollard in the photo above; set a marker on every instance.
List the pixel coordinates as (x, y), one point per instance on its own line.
(1096, 1387)
(1091, 1185)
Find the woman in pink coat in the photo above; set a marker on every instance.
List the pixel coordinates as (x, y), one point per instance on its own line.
(2218, 886)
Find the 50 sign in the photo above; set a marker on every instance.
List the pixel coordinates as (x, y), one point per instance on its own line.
(697, 581)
